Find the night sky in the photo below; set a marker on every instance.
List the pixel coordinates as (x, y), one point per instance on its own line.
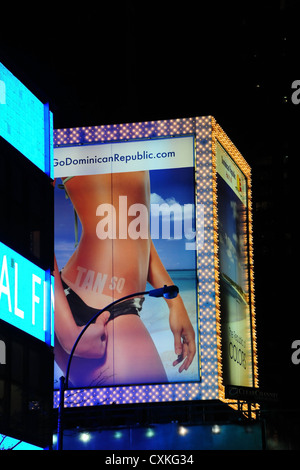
(135, 61)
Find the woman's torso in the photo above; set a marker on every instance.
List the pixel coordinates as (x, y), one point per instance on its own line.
(112, 257)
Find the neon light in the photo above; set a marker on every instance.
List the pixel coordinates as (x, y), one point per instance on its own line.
(10, 443)
(25, 295)
(25, 122)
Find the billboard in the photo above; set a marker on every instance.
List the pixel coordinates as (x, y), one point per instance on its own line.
(234, 275)
(26, 295)
(25, 122)
(136, 207)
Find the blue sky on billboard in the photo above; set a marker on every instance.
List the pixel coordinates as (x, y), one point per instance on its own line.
(175, 186)
(26, 295)
(25, 122)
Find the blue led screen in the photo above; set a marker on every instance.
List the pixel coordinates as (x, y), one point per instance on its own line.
(10, 443)
(25, 122)
(25, 295)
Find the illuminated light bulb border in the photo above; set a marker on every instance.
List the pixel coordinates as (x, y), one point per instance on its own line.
(121, 132)
(221, 136)
(205, 130)
(130, 394)
(205, 262)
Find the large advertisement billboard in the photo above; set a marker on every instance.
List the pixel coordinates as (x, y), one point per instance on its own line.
(138, 206)
(134, 209)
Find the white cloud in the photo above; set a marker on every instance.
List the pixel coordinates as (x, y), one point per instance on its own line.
(170, 210)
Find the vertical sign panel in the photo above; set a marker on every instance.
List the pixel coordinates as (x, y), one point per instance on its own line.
(234, 275)
(25, 299)
(25, 122)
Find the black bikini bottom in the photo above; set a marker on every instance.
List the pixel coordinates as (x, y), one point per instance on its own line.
(82, 313)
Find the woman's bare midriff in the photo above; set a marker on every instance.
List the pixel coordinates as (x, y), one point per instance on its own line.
(103, 270)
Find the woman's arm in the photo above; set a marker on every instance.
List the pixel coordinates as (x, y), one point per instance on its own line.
(180, 324)
(93, 342)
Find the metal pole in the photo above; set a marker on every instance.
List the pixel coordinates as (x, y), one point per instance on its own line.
(166, 291)
(60, 427)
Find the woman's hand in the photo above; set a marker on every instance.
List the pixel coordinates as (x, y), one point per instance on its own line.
(92, 344)
(184, 334)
